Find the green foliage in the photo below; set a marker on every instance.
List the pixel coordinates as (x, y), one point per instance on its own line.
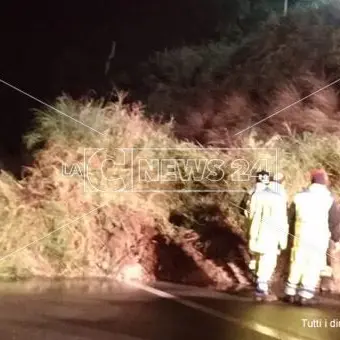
(282, 51)
(188, 66)
(280, 41)
(239, 18)
(170, 75)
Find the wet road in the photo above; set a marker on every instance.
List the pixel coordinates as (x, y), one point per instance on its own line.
(106, 310)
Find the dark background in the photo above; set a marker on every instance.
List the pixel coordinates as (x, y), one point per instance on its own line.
(49, 48)
(62, 46)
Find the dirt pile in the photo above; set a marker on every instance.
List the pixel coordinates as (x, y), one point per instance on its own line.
(126, 238)
(213, 255)
(189, 259)
(118, 241)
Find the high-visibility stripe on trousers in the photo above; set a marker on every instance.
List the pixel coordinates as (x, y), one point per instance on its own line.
(305, 272)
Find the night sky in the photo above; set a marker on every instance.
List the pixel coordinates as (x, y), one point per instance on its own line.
(49, 48)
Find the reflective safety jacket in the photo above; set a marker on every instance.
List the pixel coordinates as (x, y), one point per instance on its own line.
(268, 222)
(245, 203)
(258, 187)
(312, 211)
(280, 189)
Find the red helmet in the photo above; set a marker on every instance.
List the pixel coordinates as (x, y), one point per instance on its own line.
(319, 176)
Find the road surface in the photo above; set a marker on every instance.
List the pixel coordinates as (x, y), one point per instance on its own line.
(76, 310)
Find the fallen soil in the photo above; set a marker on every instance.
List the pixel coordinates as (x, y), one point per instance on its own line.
(213, 257)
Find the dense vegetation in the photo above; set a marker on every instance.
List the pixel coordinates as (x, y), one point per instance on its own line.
(219, 89)
(52, 226)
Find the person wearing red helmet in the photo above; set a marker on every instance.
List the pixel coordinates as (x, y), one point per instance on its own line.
(316, 220)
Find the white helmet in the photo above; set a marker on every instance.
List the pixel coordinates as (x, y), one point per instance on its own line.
(278, 177)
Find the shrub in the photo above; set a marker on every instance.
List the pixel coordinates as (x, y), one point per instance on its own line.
(280, 64)
(52, 227)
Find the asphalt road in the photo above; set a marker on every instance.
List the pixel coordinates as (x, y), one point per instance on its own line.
(106, 310)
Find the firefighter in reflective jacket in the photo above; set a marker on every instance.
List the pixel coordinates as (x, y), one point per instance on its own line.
(268, 235)
(262, 182)
(313, 208)
(327, 277)
(277, 184)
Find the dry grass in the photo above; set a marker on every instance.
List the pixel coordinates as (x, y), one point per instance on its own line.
(46, 202)
(51, 226)
(218, 120)
(279, 64)
(93, 233)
